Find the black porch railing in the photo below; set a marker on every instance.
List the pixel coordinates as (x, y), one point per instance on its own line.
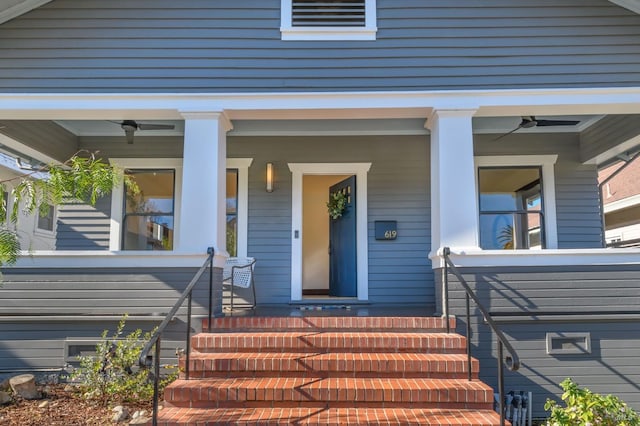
(147, 360)
(512, 361)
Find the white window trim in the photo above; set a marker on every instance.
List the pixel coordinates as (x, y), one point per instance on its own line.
(242, 165)
(360, 170)
(289, 32)
(546, 162)
(115, 234)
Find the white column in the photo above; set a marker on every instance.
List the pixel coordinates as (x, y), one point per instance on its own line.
(203, 206)
(454, 203)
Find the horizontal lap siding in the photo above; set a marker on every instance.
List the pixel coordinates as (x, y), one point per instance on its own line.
(529, 296)
(398, 189)
(225, 46)
(52, 293)
(84, 227)
(607, 134)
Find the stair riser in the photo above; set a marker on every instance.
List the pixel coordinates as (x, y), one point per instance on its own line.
(420, 324)
(333, 368)
(331, 404)
(257, 397)
(319, 343)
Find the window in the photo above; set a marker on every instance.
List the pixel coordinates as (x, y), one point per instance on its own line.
(232, 212)
(328, 20)
(148, 219)
(511, 208)
(516, 201)
(46, 218)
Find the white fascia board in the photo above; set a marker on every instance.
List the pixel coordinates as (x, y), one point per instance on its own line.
(112, 259)
(489, 103)
(622, 204)
(533, 258)
(632, 5)
(20, 8)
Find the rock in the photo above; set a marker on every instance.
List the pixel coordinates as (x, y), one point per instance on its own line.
(4, 385)
(142, 420)
(43, 404)
(69, 388)
(120, 414)
(24, 386)
(5, 398)
(139, 413)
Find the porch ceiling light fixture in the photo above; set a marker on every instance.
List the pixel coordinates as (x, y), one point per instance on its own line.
(269, 177)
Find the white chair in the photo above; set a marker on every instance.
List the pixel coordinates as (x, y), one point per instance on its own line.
(238, 272)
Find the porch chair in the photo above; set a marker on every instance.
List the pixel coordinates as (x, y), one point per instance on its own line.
(238, 272)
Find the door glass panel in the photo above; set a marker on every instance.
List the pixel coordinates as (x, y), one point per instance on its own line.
(511, 208)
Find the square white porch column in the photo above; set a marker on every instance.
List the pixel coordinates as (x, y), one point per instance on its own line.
(454, 202)
(203, 205)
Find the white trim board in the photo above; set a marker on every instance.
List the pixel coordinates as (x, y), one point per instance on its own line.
(242, 164)
(360, 170)
(632, 201)
(20, 8)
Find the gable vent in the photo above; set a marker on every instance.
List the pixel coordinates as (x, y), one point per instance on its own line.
(327, 13)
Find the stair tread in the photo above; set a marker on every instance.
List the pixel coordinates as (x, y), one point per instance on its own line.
(330, 416)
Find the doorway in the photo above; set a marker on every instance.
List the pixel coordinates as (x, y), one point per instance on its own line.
(329, 172)
(325, 253)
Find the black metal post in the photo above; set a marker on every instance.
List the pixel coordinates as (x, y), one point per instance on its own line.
(187, 367)
(501, 382)
(210, 251)
(445, 283)
(468, 337)
(156, 380)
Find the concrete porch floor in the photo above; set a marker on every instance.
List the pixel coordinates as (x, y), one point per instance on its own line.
(325, 308)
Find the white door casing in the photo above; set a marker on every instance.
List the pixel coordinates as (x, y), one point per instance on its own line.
(360, 170)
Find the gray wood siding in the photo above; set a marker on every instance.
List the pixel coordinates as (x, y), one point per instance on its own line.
(530, 302)
(84, 227)
(55, 295)
(234, 46)
(398, 189)
(576, 184)
(607, 133)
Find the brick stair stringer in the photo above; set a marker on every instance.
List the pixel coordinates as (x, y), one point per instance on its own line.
(329, 370)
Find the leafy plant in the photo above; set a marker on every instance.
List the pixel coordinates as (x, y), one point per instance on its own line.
(585, 408)
(506, 237)
(111, 374)
(82, 178)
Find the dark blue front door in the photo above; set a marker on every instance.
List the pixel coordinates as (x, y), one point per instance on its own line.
(342, 244)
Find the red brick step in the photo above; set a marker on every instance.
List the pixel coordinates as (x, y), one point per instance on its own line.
(330, 341)
(242, 364)
(328, 417)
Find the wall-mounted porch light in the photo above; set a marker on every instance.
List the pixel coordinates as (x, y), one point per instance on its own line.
(269, 177)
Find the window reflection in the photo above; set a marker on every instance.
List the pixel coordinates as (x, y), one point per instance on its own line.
(232, 212)
(511, 208)
(149, 212)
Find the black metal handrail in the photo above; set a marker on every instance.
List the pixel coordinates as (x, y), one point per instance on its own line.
(146, 360)
(512, 360)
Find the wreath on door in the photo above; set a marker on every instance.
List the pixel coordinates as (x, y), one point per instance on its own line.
(337, 204)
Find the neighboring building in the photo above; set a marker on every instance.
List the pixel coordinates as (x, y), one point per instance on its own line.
(231, 115)
(36, 232)
(621, 201)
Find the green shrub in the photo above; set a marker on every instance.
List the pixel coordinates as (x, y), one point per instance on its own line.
(585, 408)
(112, 374)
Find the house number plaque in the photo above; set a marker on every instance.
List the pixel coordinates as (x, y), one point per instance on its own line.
(386, 229)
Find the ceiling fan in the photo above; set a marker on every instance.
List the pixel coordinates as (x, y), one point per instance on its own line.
(132, 126)
(531, 121)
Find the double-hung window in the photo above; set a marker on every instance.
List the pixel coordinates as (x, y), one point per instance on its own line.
(328, 19)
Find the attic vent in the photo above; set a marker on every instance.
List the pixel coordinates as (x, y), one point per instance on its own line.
(328, 13)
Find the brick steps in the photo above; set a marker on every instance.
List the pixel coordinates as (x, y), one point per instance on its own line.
(243, 364)
(330, 341)
(329, 371)
(297, 391)
(330, 416)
